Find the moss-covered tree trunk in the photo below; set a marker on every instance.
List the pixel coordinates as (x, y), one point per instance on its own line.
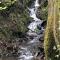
(52, 33)
(14, 19)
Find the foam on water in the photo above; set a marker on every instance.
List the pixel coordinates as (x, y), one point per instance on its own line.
(27, 52)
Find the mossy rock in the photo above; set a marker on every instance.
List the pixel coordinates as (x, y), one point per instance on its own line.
(14, 20)
(43, 10)
(16, 17)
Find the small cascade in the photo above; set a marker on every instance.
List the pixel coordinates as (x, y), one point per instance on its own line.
(29, 51)
(33, 12)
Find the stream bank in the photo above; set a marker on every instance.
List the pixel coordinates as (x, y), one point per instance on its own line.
(24, 42)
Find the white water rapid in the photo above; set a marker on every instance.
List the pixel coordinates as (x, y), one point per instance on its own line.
(30, 50)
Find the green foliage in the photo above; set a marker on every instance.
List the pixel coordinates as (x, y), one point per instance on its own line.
(6, 3)
(14, 19)
(43, 10)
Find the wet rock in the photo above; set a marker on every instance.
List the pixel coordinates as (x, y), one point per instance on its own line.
(18, 34)
(44, 24)
(31, 3)
(39, 26)
(41, 49)
(31, 33)
(41, 38)
(40, 32)
(10, 48)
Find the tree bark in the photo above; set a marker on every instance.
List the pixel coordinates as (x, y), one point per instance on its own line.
(52, 33)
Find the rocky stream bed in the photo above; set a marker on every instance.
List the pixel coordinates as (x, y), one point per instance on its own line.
(30, 47)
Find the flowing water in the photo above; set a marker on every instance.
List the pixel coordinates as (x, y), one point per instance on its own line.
(29, 50)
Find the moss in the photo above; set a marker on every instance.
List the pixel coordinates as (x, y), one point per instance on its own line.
(51, 33)
(15, 16)
(5, 4)
(13, 23)
(43, 10)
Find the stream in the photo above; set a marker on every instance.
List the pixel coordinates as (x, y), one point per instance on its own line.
(32, 48)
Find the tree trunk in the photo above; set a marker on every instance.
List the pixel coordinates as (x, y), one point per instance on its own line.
(52, 33)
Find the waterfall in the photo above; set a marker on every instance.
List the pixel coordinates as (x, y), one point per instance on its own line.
(33, 12)
(36, 3)
(30, 50)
